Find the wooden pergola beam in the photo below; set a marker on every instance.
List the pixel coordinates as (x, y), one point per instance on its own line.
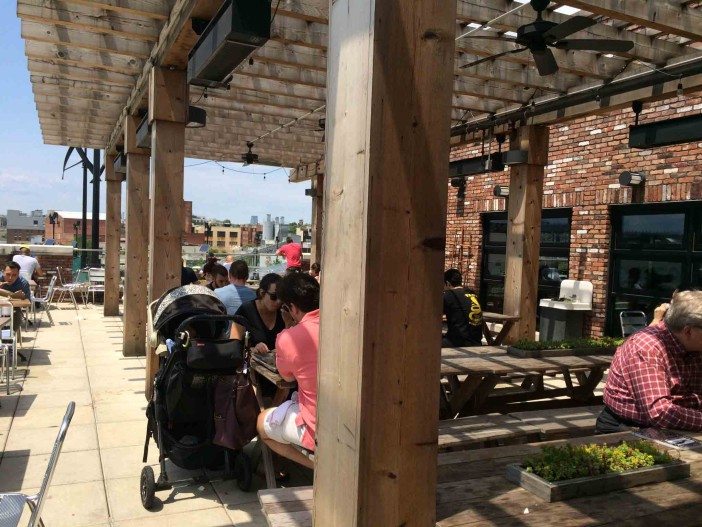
(77, 72)
(113, 235)
(84, 57)
(667, 17)
(157, 10)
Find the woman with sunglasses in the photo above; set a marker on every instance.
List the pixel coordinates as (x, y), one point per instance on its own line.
(264, 316)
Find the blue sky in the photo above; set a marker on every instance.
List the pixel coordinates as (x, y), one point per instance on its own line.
(30, 172)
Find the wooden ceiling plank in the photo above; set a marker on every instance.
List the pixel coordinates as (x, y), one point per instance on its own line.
(71, 38)
(156, 9)
(86, 58)
(76, 72)
(86, 19)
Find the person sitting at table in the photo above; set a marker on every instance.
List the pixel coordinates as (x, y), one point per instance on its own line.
(464, 317)
(655, 379)
(265, 322)
(316, 271)
(294, 422)
(15, 287)
(220, 277)
(236, 293)
(29, 265)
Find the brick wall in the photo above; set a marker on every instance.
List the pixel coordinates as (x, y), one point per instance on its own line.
(22, 235)
(586, 157)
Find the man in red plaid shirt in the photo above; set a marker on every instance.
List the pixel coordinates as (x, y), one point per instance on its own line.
(656, 376)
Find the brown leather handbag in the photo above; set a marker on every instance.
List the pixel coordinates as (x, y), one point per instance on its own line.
(235, 411)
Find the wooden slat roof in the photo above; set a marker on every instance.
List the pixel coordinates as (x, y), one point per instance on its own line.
(88, 61)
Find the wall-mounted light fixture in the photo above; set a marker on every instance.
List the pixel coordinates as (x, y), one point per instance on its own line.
(637, 182)
(500, 191)
(197, 117)
(311, 192)
(632, 179)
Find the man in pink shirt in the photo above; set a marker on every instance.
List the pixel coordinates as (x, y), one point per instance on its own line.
(294, 422)
(292, 253)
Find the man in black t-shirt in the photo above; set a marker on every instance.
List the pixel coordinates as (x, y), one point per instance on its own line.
(464, 317)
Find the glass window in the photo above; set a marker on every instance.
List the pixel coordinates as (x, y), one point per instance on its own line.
(496, 232)
(493, 299)
(495, 264)
(697, 274)
(646, 276)
(555, 231)
(652, 231)
(221, 234)
(553, 270)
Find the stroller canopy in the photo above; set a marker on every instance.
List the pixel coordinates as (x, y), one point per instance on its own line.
(182, 302)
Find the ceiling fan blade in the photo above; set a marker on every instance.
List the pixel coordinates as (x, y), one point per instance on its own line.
(490, 37)
(545, 62)
(591, 44)
(491, 57)
(570, 26)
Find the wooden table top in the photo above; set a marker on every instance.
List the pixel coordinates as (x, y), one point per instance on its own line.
(262, 367)
(20, 303)
(495, 360)
(472, 491)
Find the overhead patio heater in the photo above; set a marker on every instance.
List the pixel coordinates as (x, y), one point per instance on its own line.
(238, 29)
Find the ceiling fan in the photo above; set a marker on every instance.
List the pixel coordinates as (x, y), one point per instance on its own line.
(249, 158)
(541, 35)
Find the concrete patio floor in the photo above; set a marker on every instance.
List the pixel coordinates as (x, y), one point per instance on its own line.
(97, 479)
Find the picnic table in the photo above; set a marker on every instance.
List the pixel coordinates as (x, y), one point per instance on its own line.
(507, 322)
(264, 365)
(484, 367)
(472, 491)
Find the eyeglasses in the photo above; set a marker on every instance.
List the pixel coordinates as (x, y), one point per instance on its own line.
(273, 296)
(285, 307)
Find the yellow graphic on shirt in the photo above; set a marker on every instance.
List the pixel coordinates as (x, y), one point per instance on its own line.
(475, 317)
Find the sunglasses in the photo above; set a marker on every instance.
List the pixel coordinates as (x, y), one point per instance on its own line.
(272, 296)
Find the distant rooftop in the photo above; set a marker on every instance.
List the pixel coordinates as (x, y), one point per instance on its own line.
(68, 215)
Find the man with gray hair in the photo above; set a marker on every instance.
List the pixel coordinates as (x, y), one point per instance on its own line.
(656, 376)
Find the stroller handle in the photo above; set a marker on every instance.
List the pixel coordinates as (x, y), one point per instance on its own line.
(213, 318)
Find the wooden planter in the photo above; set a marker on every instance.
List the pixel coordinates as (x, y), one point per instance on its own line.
(539, 354)
(589, 486)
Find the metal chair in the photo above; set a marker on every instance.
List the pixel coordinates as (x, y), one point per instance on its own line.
(44, 302)
(12, 503)
(8, 339)
(96, 279)
(632, 321)
(69, 288)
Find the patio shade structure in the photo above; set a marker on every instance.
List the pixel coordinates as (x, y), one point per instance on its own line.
(388, 77)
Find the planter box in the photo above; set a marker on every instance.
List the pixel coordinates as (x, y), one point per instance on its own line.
(567, 352)
(589, 486)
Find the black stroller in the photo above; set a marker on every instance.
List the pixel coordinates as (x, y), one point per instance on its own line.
(193, 323)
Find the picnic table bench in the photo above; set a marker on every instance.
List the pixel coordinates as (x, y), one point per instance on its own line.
(472, 491)
(486, 366)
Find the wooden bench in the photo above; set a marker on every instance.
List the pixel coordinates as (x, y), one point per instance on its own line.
(561, 423)
(482, 431)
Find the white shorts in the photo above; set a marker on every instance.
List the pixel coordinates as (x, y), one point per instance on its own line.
(286, 431)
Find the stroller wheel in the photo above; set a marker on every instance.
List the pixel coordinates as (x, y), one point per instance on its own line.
(147, 486)
(243, 471)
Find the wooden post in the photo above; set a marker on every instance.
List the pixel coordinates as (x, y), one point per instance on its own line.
(388, 119)
(317, 218)
(137, 236)
(113, 235)
(524, 230)
(168, 108)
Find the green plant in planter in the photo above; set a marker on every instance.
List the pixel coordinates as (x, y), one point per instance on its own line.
(559, 463)
(584, 343)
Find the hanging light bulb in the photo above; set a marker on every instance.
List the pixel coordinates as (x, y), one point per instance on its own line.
(680, 88)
